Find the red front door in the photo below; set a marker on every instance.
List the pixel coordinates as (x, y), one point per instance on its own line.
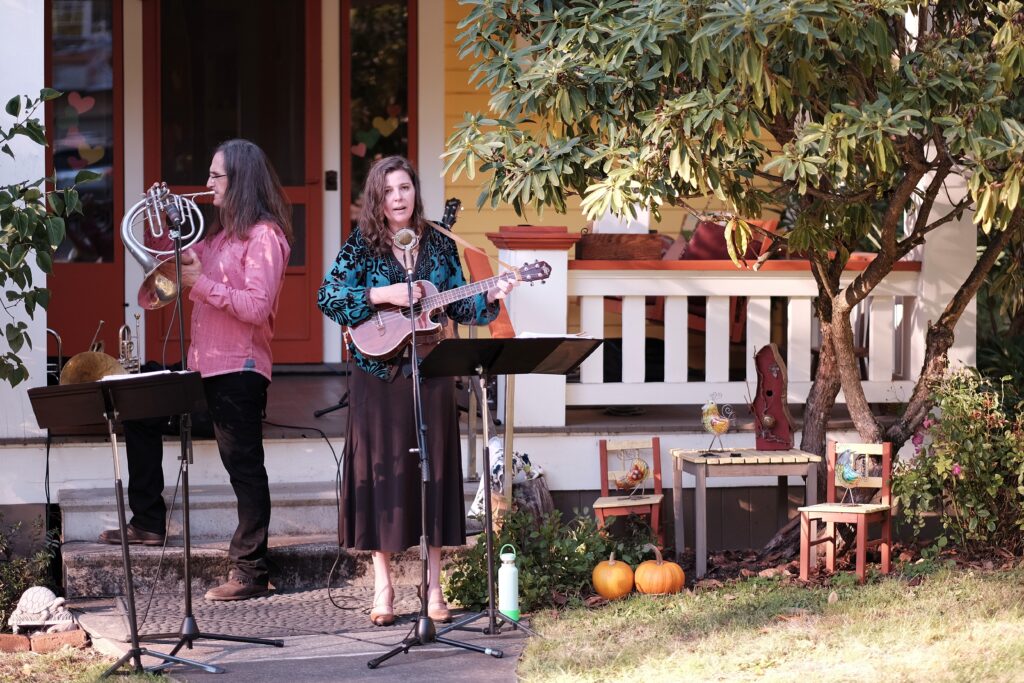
(249, 69)
(83, 60)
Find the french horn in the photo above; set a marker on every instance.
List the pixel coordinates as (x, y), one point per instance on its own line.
(94, 365)
(161, 216)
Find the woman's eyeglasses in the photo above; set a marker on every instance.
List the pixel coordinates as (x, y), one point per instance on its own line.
(214, 176)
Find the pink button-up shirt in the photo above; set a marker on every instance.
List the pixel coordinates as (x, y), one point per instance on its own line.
(235, 301)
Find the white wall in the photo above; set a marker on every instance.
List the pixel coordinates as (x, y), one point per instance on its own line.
(134, 143)
(948, 257)
(330, 115)
(21, 53)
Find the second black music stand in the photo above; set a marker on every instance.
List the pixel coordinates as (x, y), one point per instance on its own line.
(482, 358)
(115, 399)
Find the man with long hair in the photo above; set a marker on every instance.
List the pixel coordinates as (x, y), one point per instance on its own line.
(234, 276)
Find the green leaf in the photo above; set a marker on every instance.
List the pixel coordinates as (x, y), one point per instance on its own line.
(14, 106)
(55, 230)
(85, 176)
(44, 261)
(56, 200)
(47, 94)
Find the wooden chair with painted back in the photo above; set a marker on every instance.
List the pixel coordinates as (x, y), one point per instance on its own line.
(851, 466)
(631, 482)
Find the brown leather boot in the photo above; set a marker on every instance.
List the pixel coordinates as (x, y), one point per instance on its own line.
(134, 535)
(238, 588)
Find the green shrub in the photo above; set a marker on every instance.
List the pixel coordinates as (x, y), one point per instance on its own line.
(969, 469)
(555, 560)
(18, 574)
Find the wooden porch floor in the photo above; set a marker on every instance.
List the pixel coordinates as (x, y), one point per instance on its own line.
(298, 391)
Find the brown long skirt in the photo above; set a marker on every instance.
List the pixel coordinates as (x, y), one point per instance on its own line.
(380, 489)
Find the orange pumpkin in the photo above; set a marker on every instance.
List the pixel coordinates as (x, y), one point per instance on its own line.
(659, 576)
(613, 578)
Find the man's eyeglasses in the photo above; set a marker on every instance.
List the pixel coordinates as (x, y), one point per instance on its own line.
(214, 176)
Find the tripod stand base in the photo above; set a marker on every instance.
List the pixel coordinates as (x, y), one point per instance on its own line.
(424, 635)
(138, 653)
(492, 628)
(190, 633)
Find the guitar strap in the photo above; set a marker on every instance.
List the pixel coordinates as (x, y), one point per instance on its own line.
(444, 231)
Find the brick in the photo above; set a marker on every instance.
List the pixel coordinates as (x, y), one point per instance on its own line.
(13, 643)
(48, 642)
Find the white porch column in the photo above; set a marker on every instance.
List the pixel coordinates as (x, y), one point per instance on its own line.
(22, 52)
(539, 307)
(947, 258)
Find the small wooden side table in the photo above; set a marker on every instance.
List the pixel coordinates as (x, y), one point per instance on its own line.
(740, 462)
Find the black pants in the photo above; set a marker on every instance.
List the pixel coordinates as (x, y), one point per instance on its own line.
(236, 403)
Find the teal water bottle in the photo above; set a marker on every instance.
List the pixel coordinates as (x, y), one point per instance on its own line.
(508, 584)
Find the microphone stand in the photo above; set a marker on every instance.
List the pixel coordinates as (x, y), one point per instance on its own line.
(190, 630)
(425, 632)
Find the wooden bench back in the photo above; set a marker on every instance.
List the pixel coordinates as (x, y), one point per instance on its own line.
(625, 452)
(872, 464)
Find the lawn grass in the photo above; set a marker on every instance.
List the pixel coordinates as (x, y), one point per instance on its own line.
(66, 665)
(954, 625)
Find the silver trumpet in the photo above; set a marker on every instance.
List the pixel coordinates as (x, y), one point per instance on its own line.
(161, 216)
(129, 356)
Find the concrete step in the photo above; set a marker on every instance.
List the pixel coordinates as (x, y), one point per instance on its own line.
(303, 542)
(297, 563)
(300, 509)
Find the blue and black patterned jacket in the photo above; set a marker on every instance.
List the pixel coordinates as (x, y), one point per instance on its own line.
(343, 296)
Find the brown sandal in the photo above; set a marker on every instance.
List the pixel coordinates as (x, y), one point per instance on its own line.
(383, 615)
(438, 610)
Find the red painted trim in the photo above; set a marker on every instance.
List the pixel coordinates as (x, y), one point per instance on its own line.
(345, 74)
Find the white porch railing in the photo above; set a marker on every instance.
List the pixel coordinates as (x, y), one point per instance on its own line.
(892, 325)
(884, 324)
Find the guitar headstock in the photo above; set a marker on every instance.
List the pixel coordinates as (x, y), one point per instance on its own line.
(451, 212)
(538, 271)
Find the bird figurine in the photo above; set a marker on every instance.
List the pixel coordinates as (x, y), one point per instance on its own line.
(633, 479)
(716, 421)
(847, 463)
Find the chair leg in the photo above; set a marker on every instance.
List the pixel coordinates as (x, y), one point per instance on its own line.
(656, 527)
(601, 521)
(805, 546)
(830, 547)
(862, 550)
(886, 546)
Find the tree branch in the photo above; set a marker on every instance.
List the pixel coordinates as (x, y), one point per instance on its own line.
(940, 335)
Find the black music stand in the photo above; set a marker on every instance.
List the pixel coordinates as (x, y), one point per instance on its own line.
(114, 399)
(484, 357)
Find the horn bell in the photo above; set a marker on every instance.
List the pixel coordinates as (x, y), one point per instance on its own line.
(157, 289)
(90, 366)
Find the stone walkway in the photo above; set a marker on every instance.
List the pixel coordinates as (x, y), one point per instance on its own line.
(327, 637)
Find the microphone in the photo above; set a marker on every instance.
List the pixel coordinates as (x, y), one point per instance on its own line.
(405, 239)
(173, 215)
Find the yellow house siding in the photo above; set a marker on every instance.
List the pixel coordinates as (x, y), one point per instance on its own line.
(462, 97)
